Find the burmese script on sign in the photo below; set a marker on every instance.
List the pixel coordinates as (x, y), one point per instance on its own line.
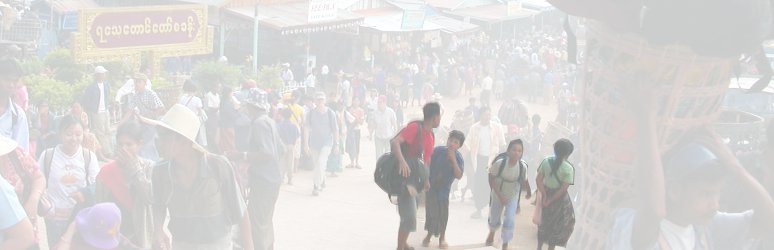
(148, 28)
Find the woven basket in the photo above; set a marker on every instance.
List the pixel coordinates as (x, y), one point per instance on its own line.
(690, 89)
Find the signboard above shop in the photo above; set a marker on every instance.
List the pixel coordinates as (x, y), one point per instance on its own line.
(322, 10)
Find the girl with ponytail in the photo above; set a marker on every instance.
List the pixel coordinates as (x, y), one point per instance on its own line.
(557, 217)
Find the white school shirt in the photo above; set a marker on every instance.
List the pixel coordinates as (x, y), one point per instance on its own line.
(67, 176)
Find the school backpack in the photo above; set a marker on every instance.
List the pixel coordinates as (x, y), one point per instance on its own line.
(387, 175)
(503, 159)
(48, 158)
(45, 204)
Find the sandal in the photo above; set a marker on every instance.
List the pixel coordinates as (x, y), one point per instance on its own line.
(443, 245)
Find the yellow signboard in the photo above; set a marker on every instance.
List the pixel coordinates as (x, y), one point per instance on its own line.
(110, 34)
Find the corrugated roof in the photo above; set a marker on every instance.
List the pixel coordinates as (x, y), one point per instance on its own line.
(445, 4)
(539, 5)
(392, 20)
(453, 26)
(407, 4)
(458, 4)
(492, 13)
(291, 18)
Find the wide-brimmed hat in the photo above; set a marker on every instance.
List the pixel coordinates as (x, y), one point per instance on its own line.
(181, 120)
(99, 225)
(7, 145)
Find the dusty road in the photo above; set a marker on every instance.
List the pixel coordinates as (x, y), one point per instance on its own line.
(353, 213)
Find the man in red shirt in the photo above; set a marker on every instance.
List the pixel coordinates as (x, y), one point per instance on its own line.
(411, 160)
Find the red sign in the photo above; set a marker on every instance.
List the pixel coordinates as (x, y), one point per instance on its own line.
(145, 28)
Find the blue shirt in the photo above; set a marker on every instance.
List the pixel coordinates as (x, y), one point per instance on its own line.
(322, 126)
(288, 132)
(13, 124)
(441, 172)
(11, 211)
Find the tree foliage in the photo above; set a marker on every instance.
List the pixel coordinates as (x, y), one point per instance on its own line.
(269, 77)
(210, 73)
(59, 94)
(61, 64)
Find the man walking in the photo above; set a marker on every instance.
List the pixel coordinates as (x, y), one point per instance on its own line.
(263, 156)
(418, 150)
(145, 103)
(198, 189)
(321, 137)
(385, 123)
(97, 105)
(485, 139)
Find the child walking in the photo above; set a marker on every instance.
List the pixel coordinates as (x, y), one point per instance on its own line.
(446, 165)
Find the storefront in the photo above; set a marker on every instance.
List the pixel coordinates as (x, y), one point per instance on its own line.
(391, 32)
(301, 33)
(499, 20)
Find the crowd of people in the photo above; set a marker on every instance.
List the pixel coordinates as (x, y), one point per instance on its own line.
(205, 172)
(93, 185)
(137, 168)
(433, 170)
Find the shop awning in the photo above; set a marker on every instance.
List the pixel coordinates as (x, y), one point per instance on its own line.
(453, 26)
(538, 5)
(493, 13)
(70, 6)
(445, 4)
(293, 18)
(391, 20)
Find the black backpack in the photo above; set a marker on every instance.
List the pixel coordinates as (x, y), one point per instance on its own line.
(387, 175)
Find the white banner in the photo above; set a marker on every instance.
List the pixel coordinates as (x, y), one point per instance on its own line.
(322, 10)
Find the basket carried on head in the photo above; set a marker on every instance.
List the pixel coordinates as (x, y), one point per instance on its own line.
(514, 115)
(514, 111)
(690, 89)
